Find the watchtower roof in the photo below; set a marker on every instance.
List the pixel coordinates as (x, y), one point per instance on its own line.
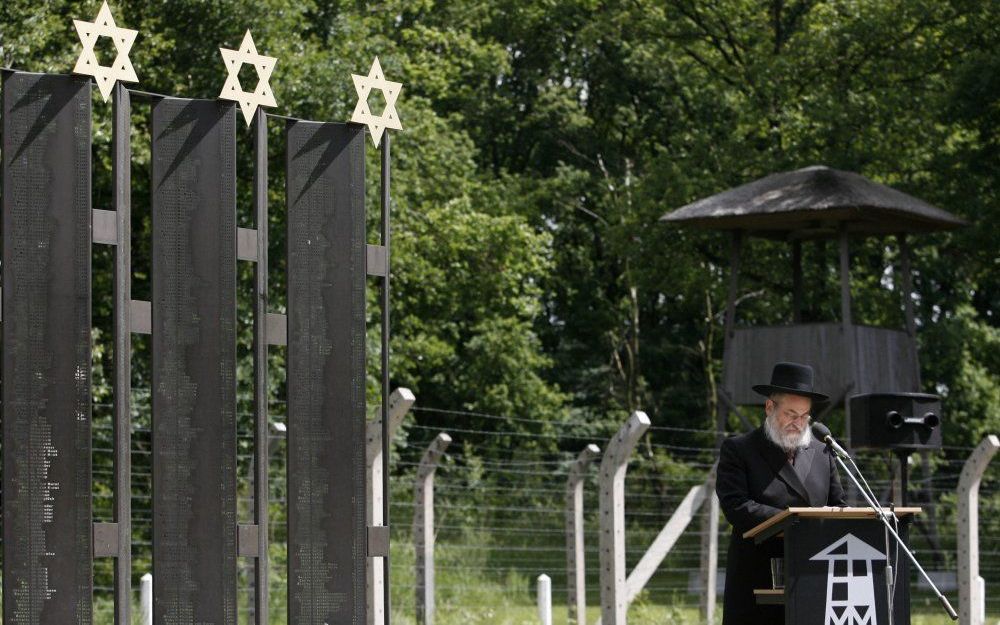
(812, 201)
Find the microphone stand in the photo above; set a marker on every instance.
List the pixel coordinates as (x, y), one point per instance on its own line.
(882, 516)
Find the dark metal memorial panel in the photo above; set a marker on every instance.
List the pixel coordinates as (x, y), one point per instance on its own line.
(326, 374)
(46, 350)
(194, 362)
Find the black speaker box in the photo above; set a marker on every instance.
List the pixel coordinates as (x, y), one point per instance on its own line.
(896, 421)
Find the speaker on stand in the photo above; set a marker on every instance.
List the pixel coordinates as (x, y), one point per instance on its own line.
(900, 422)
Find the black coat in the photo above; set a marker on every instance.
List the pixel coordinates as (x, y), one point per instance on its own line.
(755, 481)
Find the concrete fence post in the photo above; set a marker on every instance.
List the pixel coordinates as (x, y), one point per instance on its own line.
(423, 527)
(614, 465)
(545, 599)
(671, 532)
(709, 569)
(576, 588)
(146, 600)
(400, 402)
(970, 599)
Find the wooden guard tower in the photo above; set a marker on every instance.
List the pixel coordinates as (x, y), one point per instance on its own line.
(811, 204)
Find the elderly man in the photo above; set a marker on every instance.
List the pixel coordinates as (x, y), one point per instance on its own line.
(779, 465)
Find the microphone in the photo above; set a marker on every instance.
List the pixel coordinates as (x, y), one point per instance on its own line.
(822, 432)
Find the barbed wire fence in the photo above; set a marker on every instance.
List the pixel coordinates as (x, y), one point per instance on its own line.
(500, 509)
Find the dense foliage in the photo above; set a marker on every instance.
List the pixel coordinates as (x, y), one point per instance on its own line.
(544, 139)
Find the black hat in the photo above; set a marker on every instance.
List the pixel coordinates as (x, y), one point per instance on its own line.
(792, 378)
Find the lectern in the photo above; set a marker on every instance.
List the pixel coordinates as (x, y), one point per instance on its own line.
(835, 566)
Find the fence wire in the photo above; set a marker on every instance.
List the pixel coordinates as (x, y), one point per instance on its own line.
(500, 513)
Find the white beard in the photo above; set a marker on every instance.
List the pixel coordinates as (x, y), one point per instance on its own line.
(787, 442)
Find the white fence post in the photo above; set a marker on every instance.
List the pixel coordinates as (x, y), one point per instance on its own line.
(146, 600)
(545, 599)
(576, 583)
(423, 527)
(400, 402)
(969, 599)
(614, 465)
(709, 552)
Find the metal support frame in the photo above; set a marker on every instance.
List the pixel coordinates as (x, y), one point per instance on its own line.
(386, 231)
(423, 527)
(122, 179)
(969, 589)
(576, 582)
(400, 402)
(261, 429)
(113, 227)
(614, 465)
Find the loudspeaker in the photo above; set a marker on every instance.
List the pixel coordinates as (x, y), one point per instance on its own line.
(904, 421)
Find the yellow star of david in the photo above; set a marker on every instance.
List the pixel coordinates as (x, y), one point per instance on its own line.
(90, 32)
(363, 115)
(232, 90)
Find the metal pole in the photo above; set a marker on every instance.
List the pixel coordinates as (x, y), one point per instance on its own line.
(400, 402)
(122, 158)
(881, 513)
(261, 431)
(423, 528)
(904, 476)
(576, 582)
(970, 597)
(387, 596)
(614, 465)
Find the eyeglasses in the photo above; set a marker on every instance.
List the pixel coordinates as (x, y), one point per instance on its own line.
(805, 418)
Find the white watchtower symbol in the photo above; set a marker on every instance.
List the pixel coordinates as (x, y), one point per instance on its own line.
(850, 586)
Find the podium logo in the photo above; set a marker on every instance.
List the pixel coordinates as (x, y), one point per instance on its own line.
(850, 585)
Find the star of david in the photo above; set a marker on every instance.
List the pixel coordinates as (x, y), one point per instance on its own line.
(232, 90)
(363, 115)
(90, 32)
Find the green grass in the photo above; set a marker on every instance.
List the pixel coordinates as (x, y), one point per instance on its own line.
(638, 614)
(471, 592)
